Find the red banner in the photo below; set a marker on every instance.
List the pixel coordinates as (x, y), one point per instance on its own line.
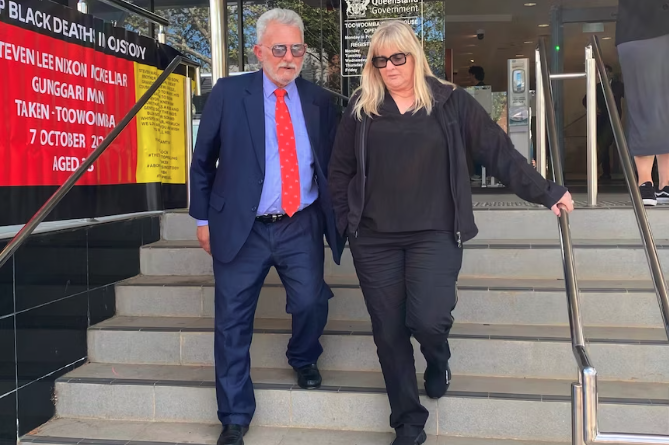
(68, 81)
(64, 99)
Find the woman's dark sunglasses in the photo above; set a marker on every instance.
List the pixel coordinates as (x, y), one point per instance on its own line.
(297, 50)
(397, 59)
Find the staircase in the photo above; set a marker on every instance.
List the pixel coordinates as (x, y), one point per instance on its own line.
(150, 376)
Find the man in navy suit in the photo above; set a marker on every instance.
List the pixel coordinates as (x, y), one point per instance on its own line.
(265, 204)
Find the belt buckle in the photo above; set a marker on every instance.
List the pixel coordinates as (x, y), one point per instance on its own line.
(275, 218)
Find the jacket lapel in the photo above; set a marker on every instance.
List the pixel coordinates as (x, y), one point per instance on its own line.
(254, 103)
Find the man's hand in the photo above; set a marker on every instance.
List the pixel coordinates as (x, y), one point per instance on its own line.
(565, 202)
(203, 238)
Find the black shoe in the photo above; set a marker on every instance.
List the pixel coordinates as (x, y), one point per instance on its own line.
(436, 381)
(663, 196)
(648, 194)
(232, 435)
(308, 377)
(405, 440)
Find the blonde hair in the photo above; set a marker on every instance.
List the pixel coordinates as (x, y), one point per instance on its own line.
(372, 89)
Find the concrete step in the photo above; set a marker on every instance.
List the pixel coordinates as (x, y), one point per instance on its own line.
(536, 259)
(501, 223)
(480, 300)
(640, 354)
(521, 409)
(118, 432)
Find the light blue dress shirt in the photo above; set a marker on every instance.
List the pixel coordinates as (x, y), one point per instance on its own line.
(270, 199)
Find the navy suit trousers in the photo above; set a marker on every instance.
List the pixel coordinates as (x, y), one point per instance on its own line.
(295, 247)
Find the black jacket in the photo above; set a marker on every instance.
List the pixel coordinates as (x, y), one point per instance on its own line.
(466, 125)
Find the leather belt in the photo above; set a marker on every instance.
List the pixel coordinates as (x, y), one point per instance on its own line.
(271, 218)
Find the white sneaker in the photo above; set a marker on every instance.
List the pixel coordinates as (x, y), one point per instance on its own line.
(663, 196)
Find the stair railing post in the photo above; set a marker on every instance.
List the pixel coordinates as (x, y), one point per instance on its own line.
(540, 104)
(591, 98)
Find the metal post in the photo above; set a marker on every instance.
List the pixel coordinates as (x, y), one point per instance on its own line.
(541, 119)
(591, 93)
(557, 66)
(219, 39)
(577, 414)
(162, 38)
(567, 76)
(589, 395)
(82, 6)
(189, 131)
(240, 33)
(198, 82)
(152, 25)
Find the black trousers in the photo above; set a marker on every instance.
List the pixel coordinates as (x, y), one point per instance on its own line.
(409, 284)
(605, 139)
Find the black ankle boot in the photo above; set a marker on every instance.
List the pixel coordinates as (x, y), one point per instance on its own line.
(406, 440)
(437, 381)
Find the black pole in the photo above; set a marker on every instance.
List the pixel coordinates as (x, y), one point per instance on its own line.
(240, 34)
(152, 26)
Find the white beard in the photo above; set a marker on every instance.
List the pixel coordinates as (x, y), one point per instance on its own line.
(274, 74)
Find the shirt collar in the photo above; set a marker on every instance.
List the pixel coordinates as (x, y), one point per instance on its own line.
(269, 88)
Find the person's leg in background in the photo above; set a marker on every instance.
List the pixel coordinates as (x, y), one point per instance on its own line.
(644, 168)
(604, 141)
(478, 170)
(663, 178)
(380, 263)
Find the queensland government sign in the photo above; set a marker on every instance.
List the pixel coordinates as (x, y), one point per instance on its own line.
(360, 18)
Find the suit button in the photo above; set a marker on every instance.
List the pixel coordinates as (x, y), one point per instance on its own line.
(261, 181)
(253, 209)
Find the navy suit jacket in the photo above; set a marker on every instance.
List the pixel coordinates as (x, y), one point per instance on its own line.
(232, 132)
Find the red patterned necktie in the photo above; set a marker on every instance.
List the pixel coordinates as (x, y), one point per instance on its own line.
(290, 172)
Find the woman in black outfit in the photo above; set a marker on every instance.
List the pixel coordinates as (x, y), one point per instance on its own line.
(401, 192)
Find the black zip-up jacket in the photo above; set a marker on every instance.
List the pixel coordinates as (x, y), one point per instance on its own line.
(466, 125)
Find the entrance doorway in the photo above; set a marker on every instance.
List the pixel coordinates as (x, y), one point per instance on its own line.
(485, 34)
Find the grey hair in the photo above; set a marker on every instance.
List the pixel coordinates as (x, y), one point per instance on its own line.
(278, 15)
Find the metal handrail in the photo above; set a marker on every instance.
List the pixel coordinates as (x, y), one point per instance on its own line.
(585, 429)
(53, 201)
(637, 203)
(571, 285)
(578, 340)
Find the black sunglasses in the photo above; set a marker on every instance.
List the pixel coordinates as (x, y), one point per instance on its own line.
(397, 59)
(297, 50)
